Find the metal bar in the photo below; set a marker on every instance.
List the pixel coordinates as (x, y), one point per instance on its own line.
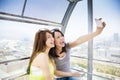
(74, 0)
(90, 42)
(95, 59)
(24, 7)
(18, 16)
(67, 15)
(14, 77)
(90, 73)
(25, 19)
(7, 61)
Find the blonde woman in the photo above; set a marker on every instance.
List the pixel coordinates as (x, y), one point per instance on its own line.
(41, 65)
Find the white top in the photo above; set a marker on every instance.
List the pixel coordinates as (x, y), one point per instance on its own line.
(36, 70)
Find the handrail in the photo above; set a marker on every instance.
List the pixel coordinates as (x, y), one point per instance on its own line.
(13, 60)
(96, 59)
(13, 76)
(90, 73)
(25, 58)
(25, 19)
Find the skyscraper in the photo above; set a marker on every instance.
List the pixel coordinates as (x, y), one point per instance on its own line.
(116, 37)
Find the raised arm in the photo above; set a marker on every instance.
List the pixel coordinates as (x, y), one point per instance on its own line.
(82, 39)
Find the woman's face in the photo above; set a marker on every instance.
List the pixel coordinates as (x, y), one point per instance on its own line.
(50, 40)
(59, 39)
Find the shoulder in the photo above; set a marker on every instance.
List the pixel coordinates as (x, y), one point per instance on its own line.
(41, 56)
(38, 61)
(67, 45)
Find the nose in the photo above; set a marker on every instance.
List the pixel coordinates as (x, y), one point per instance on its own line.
(52, 39)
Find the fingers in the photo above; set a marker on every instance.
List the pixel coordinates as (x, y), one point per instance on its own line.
(100, 23)
(100, 18)
(104, 24)
(82, 74)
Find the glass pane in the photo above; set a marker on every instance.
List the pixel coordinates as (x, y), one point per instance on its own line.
(107, 45)
(107, 71)
(13, 69)
(11, 6)
(78, 26)
(80, 65)
(52, 10)
(16, 41)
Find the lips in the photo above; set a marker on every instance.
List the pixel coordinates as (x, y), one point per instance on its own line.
(52, 43)
(62, 43)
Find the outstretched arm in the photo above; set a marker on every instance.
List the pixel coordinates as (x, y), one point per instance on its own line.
(82, 39)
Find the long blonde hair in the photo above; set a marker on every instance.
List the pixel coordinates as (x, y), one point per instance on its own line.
(39, 45)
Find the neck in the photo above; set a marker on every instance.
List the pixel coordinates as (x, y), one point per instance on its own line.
(58, 49)
(47, 50)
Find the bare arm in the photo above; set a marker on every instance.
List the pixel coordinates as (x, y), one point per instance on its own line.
(87, 37)
(64, 74)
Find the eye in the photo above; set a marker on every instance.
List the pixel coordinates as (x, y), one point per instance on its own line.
(58, 37)
(49, 36)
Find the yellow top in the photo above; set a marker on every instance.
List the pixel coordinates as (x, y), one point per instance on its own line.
(37, 74)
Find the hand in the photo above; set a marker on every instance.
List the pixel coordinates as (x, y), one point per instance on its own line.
(100, 25)
(82, 74)
(76, 74)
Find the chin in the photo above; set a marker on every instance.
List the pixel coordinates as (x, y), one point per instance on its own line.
(53, 46)
(63, 45)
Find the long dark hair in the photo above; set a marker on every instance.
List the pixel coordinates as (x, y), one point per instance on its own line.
(53, 52)
(39, 45)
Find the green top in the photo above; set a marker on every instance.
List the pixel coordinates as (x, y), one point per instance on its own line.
(37, 74)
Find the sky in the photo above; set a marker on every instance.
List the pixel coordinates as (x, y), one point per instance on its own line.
(109, 10)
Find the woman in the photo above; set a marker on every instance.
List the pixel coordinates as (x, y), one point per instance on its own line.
(61, 51)
(41, 65)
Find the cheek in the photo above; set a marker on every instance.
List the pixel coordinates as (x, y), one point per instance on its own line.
(56, 41)
(46, 42)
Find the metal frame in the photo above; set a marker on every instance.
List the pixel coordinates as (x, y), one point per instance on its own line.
(68, 14)
(96, 59)
(7, 61)
(90, 29)
(24, 6)
(24, 19)
(90, 42)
